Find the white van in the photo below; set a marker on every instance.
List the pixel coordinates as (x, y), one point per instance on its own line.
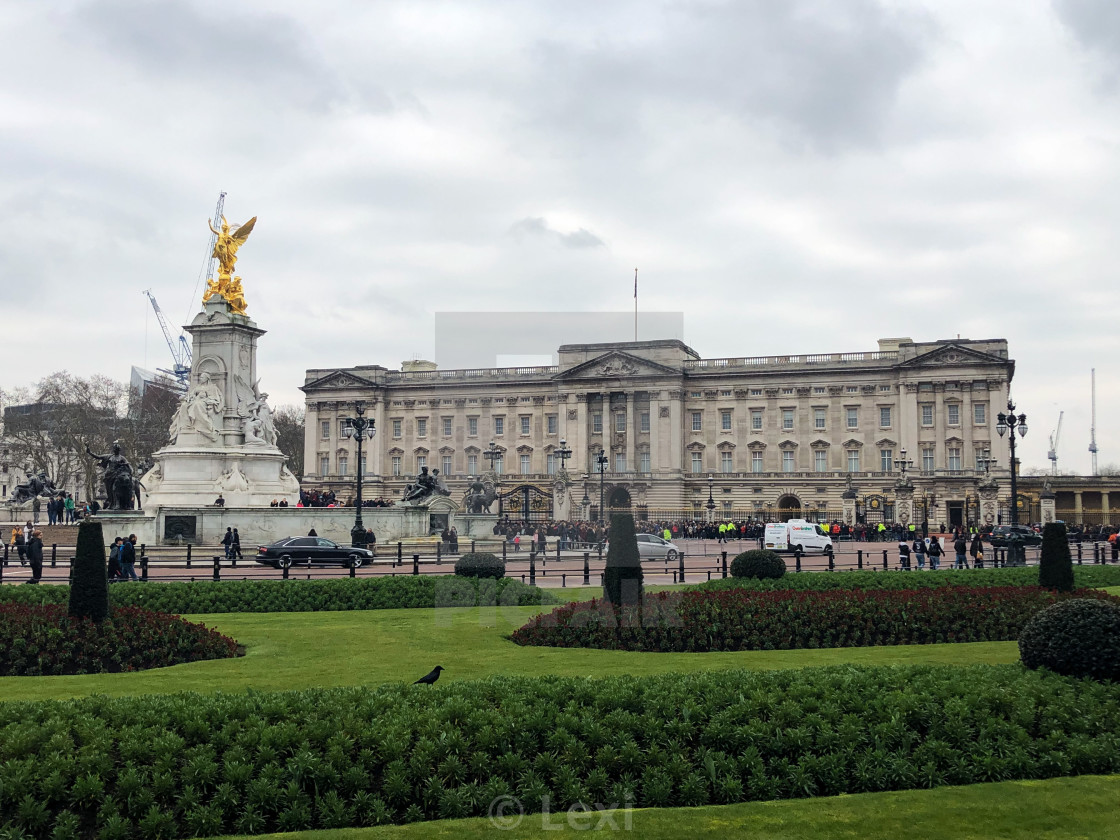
(797, 533)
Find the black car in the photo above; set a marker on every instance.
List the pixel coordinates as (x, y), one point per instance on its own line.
(1002, 533)
(285, 552)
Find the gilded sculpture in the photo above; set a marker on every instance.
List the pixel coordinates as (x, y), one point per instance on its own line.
(225, 251)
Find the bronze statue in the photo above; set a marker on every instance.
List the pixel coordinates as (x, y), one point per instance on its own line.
(121, 488)
(480, 495)
(33, 488)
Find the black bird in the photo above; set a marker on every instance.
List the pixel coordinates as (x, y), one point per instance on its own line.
(430, 678)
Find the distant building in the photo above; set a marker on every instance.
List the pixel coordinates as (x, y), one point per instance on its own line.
(778, 435)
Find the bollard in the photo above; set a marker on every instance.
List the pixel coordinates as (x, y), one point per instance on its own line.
(709, 575)
(472, 546)
(217, 568)
(2, 571)
(143, 568)
(353, 568)
(532, 570)
(724, 554)
(1116, 550)
(54, 552)
(558, 549)
(522, 577)
(797, 559)
(885, 566)
(674, 575)
(400, 557)
(681, 570)
(831, 562)
(1079, 551)
(503, 549)
(416, 564)
(188, 555)
(143, 549)
(859, 559)
(285, 573)
(5, 554)
(587, 568)
(439, 554)
(1078, 561)
(563, 581)
(233, 560)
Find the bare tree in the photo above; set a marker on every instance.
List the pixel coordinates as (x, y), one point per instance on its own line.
(289, 422)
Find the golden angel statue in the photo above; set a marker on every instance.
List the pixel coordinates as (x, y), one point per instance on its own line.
(225, 251)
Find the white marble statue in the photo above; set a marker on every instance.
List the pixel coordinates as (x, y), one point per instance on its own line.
(196, 413)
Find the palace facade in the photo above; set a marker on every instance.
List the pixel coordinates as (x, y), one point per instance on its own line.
(760, 437)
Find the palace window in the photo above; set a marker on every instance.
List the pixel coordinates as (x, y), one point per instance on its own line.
(787, 461)
(756, 462)
(525, 464)
(552, 424)
(787, 419)
(524, 424)
(980, 413)
(447, 427)
(853, 460)
(820, 460)
(343, 465)
(325, 430)
(472, 465)
(756, 419)
(927, 414)
(620, 463)
(697, 462)
(597, 423)
(499, 425)
(643, 420)
(446, 460)
(396, 465)
(725, 462)
(620, 422)
(643, 462)
(398, 424)
(884, 417)
(421, 462)
(756, 392)
(697, 421)
(421, 427)
(954, 458)
(550, 463)
(954, 410)
(725, 421)
(851, 417)
(472, 426)
(927, 459)
(886, 460)
(324, 466)
(362, 467)
(819, 415)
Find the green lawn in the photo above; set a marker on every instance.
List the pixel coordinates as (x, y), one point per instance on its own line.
(302, 650)
(1056, 809)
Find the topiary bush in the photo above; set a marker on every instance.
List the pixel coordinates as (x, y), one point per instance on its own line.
(622, 574)
(480, 565)
(758, 563)
(1077, 638)
(1055, 567)
(89, 586)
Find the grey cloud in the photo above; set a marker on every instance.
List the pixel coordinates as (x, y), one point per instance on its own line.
(826, 74)
(1096, 25)
(537, 226)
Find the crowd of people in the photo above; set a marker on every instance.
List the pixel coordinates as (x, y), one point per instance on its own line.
(328, 498)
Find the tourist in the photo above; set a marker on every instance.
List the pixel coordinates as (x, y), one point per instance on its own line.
(128, 558)
(219, 502)
(20, 544)
(454, 540)
(284, 503)
(960, 546)
(935, 551)
(227, 541)
(35, 555)
(977, 550)
(115, 572)
(70, 515)
(274, 503)
(920, 552)
(904, 555)
(235, 546)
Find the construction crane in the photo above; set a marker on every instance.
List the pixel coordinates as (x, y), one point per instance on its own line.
(1054, 437)
(208, 262)
(180, 350)
(1093, 420)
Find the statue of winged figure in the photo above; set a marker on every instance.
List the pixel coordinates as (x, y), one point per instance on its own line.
(226, 245)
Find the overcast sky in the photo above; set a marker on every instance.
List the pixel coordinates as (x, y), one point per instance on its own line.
(879, 169)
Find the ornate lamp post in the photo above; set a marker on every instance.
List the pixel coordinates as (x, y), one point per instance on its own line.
(563, 453)
(359, 427)
(494, 455)
(601, 464)
(1011, 422)
(711, 505)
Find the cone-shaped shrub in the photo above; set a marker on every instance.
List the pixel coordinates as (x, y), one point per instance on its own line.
(622, 575)
(89, 587)
(1055, 568)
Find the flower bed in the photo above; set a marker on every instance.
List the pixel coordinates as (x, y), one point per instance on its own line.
(741, 619)
(386, 593)
(182, 766)
(45, 641)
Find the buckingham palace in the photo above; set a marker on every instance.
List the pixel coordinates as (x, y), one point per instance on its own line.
(744, 437)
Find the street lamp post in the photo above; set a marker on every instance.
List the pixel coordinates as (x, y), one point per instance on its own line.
(563, 453)
(1008, 423)
(494, 455)
(359, 427)
(601, 464)
(711, 502)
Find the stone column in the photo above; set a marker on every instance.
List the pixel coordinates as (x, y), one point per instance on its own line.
(654, 432)
(1077, 514)
(580, 445)
(676, 431)
(904, 502)
(1046, 505)
(630, 410)
(1106, 511)
(311, 440)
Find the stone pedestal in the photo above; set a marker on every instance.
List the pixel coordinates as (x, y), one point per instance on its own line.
(904, 502)
(223, 442)
(1046, 505)
(989, 501)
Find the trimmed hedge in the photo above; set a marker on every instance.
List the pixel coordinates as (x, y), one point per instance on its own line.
(1055, 566)
(389, 593)
(622, 573)
(198, 766)
(741, 620)
(46, 641)
(480, 565)
(89, 591)
(1089, 575)
(1078, 638)
(758, 563)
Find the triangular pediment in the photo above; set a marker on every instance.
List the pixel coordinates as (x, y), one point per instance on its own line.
(339, 380)
(953, 354)
(617, 365)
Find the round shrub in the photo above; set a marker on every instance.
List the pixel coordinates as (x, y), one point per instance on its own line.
(1078, 638)
(758, 563)
(480, 565)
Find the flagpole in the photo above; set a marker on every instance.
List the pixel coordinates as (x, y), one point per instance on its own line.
(635, 304)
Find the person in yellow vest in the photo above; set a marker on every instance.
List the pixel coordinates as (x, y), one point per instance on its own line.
(667, 535)
(882, 529)
(722, 531)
